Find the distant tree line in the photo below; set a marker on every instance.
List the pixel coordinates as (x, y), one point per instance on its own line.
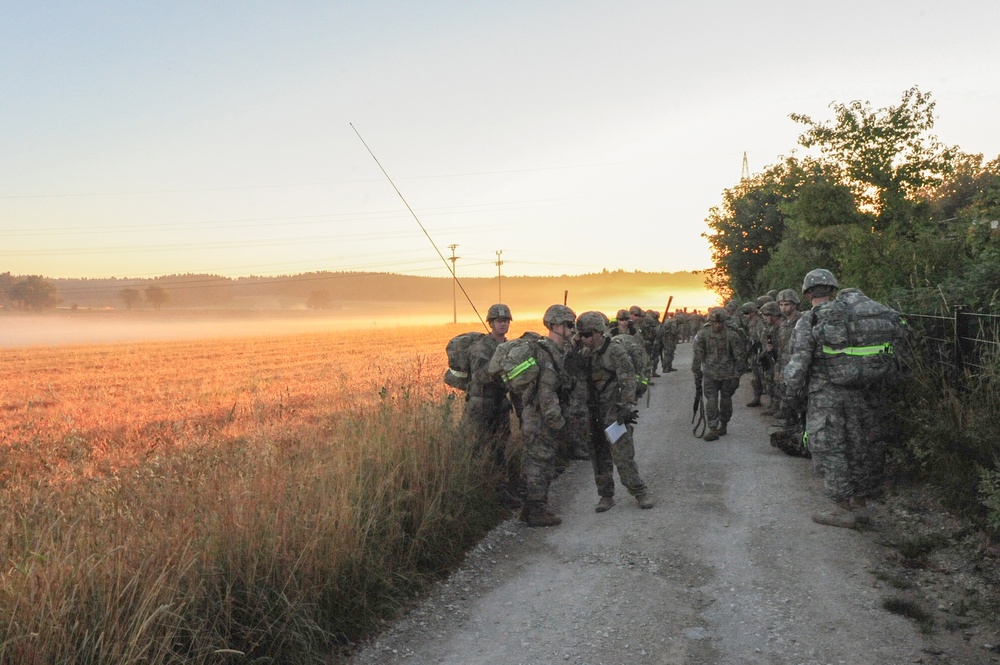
(882, 203)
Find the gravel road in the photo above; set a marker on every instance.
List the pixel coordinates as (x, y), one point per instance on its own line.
(726, 568)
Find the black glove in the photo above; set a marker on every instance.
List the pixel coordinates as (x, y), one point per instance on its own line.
(629, 417)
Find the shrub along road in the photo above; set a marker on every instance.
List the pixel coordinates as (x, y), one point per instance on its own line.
(726, 568)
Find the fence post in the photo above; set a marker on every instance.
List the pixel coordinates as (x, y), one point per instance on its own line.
(961, 338)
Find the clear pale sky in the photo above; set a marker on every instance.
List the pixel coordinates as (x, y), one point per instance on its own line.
(142, 139)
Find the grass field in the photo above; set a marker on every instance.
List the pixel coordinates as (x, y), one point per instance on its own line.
(260, 499)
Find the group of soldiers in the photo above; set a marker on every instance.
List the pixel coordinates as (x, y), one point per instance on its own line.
(592, 372)
(587, 386)
(841, 427)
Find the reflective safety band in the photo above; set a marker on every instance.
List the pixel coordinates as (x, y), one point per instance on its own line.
(520, 369)
(461, 375)
(805, 439)
(638, 377)
(859, 350)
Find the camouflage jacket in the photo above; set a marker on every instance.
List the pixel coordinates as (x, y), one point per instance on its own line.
(784, 339)
(719, 355)
(805, 350)
(481, 382)
(611, 383)
(553, 381)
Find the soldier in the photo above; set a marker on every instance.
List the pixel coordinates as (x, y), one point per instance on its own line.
(625, 325)
(577, 414)
(768, 356)
(842, 426)
(543, 424)
(651, 340)
(486, 419)
(719, 360)
(611, 387)
(754, 327)
(788, 303)
(669, 335)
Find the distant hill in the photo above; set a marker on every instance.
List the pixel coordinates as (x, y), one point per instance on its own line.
(380, 294)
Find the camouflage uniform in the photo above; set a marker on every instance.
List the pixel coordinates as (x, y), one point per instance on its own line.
(719, 360)
(648, 329)
(842, 424)
(577, 431)
(486, 420)
(543, 423)
(783, 338)
(669, 335)
(611, 387)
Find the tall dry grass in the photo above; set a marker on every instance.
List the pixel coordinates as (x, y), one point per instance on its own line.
(245, 500)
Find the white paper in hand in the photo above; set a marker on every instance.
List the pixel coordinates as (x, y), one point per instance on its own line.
(614, 431)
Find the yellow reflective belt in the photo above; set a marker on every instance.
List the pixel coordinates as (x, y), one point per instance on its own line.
(638, 377)
(859, 350)
(520, 369)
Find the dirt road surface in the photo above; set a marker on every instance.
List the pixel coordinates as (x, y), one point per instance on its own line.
(726, 568)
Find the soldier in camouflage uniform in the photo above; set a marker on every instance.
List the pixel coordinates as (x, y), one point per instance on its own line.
(543, 423)
(486, 419)
(669, 335)
(611, 386)
(719, 360)
(770, 312)
(754, 327)
(577, 414)
(788, 303)
(841, 426)
(651, 339)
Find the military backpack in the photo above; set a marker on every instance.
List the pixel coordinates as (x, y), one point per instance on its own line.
(459, 364)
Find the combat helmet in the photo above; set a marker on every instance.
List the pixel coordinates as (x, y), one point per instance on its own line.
(591, 322)
(635, 310)
(770, 309)
(498, 311)
(788, 295)
(557, 314)
(717, 315)
(749, 307)
(763, 299)
(622, 315)
(773, 294)
(819, 277)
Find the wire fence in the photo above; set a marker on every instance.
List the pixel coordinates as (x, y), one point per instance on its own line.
(967, 343)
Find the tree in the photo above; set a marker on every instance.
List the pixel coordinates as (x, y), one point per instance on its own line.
(319, 299)
(33, 293)
(157, 296)
(884, 156)
(746, 228)
(130, 297)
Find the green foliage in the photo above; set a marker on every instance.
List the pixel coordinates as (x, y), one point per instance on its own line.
(33, 293)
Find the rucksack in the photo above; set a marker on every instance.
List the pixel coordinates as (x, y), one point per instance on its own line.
(457, 374)
(516, 363)
(640, 359)
(860, 339)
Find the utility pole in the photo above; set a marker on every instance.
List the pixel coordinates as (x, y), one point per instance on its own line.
(746, 169)
(454, 281)
(499, 287)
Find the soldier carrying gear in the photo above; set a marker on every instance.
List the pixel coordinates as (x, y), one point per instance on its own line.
(719, 360)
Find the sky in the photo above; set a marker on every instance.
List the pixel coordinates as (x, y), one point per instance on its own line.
(229, 138)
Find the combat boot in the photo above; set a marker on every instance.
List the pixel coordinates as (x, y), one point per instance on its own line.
(604, 504)
(712, 435)
(722, 430)
(754, 402)
(840, 516)
(536, 514)
(644, 500)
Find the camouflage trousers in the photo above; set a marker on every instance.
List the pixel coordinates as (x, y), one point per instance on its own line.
(606, 456)
(844, 434)
(668, 355)
(540, 445)
(718, 395)
(576, 435)
(486, 424)
(757, 380)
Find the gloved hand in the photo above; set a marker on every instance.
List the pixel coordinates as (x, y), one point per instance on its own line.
(628, 417)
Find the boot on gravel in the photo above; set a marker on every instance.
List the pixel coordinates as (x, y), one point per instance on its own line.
(604, 504)
(712, 435)
(722, 430)
(536, 514)
(754, 402)
(841, 516)
(644, 500)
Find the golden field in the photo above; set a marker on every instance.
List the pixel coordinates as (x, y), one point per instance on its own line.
(229, 500)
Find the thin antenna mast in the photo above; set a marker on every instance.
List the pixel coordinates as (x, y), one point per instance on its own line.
(746, 168)
(444, 260)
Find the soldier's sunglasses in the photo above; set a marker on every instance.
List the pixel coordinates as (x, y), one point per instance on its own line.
(586, 335)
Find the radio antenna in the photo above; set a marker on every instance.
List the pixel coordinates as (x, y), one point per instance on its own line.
(428, 235)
